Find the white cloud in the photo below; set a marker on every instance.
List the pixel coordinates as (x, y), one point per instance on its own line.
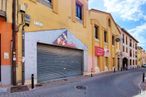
(126, 9)
(139, 33)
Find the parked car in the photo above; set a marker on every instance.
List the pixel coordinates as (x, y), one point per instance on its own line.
(144, 65)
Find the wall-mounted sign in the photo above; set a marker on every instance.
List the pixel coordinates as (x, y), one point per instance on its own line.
(6, 55)
(62, 40)
(27, 19)
(37, 23)
(99, 51)
(106, 52)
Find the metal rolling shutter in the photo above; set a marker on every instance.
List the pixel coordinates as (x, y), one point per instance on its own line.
(58, 62)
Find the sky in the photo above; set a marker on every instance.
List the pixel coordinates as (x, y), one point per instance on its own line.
(129, 14)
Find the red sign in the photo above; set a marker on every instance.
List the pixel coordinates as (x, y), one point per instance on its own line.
(99, 51)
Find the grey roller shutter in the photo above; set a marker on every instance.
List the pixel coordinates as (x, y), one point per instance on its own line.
(55, 62)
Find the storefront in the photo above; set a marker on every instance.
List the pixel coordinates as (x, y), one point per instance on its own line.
(54, 54)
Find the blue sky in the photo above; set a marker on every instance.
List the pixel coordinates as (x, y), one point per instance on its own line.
(129, 14)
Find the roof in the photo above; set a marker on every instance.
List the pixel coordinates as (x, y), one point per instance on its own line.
(129, 34)
(95, 10)
(139, 47)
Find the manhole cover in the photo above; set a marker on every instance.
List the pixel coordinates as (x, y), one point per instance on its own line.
(81, 87)
(38, 85)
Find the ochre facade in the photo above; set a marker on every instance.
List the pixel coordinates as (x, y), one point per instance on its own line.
(61, 14)
(103, 62)
(93, 32)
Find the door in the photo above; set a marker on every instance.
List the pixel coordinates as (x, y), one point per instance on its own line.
(55, 62)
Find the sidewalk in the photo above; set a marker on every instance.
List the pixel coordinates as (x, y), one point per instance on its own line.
(58, 82)
(143, 94)
(143, 90)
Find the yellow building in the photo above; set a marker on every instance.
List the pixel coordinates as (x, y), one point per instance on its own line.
(106, 45)
(144, 57)
(139, 56)
(57, 42)
(57, 39)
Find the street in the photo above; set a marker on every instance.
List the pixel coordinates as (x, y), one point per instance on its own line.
(119, 84)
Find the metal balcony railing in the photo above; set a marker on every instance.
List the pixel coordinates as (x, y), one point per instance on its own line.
(3, 8)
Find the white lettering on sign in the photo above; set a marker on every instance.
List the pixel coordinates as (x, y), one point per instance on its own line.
(37, 23)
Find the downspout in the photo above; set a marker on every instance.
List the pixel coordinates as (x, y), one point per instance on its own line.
(14, 42)
(92, 66)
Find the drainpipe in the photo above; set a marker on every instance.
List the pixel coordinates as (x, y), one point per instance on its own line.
(23, 55)
(14, 42)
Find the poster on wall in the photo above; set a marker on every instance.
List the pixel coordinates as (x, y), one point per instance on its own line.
(106, 52)
(62, 40)
(99, 51)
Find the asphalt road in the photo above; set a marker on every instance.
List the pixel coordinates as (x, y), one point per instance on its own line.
(119, 84)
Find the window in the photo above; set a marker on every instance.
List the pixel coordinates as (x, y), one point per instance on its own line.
(79, 10)
(123, 38)
(133, 62)
(105, 36)
(126, 40)
(49, 1)
(130, 42)
(46, 2)
(133, 45)
(113, 40)
(136, 54)
(136, 46)
(109, 22)
(96, 29)
(123, 49)
(133, 54)
(130, 53)
(126, 49)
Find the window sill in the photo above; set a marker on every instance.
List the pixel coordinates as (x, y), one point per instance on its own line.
(97, 40)
(49, 5)
(79, 20)
(105, 43)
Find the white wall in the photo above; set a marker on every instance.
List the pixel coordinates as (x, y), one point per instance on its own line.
(47, 37)
(6, 74)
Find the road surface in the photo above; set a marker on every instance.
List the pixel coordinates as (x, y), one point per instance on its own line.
(119, 84)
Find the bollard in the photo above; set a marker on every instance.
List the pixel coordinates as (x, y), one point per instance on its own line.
(114, 70)
(32, 81)
(91, 75)
(143, 77)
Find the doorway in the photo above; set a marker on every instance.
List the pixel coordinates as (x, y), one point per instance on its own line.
(125, 64)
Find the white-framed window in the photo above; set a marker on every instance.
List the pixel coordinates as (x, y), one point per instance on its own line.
(79, 8)
(46, 2)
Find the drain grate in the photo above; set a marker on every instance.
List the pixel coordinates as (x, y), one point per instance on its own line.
(80, 87)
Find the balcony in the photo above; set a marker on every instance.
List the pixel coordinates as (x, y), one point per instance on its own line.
(3, 8)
